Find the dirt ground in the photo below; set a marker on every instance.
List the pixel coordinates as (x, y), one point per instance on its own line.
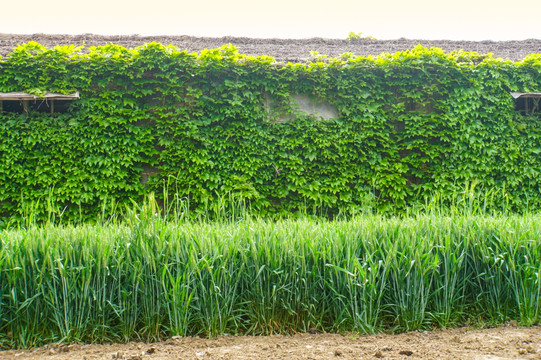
(494, 344)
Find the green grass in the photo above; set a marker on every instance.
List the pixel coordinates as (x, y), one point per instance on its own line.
(147, 278)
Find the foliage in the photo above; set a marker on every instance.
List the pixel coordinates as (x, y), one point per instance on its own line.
(147, 278)
(359, 35)
(411, 125)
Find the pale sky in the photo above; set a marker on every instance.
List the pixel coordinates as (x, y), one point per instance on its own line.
(382, 19)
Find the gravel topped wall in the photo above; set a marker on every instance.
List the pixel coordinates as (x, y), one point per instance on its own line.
(294, 50)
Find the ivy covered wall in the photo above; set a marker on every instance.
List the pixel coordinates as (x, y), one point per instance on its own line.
(410, 125)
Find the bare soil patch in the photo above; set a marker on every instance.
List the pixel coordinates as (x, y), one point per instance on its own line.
(463, 343)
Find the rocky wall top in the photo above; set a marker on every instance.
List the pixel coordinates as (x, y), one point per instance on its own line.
(294, 50)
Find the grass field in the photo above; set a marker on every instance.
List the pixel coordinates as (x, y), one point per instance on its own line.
(148, 278)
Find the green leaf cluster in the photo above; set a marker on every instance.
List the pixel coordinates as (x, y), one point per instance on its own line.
(411, 124)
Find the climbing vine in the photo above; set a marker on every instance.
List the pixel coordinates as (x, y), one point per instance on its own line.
(410, 125)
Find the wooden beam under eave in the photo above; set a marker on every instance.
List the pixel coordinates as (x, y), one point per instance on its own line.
(46, 96)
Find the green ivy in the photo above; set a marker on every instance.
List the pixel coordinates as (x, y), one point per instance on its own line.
(411, 124)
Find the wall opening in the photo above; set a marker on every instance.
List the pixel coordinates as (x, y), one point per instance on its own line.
(527, 103)
(300, 104)
(22, 103)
